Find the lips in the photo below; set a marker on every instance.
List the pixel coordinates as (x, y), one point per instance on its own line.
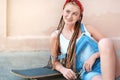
(69, 20)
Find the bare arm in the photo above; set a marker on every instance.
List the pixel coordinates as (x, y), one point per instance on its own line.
(67, 73)
(96, 34)
(53, 40)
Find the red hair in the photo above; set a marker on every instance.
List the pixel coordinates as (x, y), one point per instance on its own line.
(77, 2)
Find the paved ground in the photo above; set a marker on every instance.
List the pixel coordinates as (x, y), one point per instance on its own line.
(22, 60)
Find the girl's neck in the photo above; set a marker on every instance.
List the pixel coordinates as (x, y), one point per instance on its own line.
(69, 27)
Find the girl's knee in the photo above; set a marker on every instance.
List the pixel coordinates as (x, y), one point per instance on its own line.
(105, 43)
(98, 77)
(106, 46)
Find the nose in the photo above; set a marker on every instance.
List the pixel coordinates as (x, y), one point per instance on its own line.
(69, 16)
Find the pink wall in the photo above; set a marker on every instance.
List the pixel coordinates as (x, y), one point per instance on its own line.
(33, 33)
(103, 14)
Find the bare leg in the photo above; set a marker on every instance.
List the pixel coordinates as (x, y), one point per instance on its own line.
(98, 77)
(117, 66)
(108, 59)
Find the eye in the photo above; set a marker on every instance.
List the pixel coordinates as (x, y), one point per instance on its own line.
(67, 11)
(75, 14)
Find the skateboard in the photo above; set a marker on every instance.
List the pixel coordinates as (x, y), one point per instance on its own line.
(41, 73)
(37, 73)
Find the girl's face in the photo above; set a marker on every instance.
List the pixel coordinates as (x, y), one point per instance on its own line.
(71, 14)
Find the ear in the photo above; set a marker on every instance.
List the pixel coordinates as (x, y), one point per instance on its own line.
(79, 18)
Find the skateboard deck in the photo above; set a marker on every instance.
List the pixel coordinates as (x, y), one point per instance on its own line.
(32, 73)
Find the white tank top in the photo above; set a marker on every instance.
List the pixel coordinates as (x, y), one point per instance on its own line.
(65, 42)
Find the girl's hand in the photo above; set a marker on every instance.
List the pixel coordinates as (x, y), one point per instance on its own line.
(68, 74)
(89, 63)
